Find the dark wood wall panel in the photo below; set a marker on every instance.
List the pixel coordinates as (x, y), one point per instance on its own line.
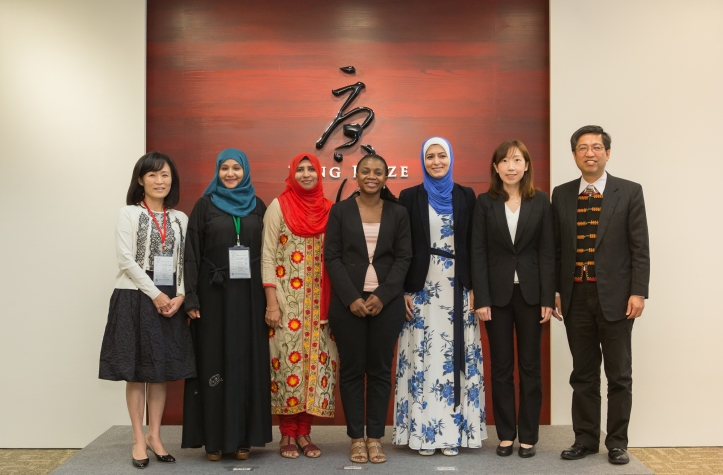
(258, 76)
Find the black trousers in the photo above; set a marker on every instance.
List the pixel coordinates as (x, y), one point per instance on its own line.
(520, 318)
(592, 340)
(366, 348)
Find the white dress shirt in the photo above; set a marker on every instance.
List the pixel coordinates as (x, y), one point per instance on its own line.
(599, 184)
(512, 219)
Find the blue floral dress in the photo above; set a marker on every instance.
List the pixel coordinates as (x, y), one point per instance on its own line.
(425, 416)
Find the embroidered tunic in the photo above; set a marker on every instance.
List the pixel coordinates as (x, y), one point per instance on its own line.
(425, 416)
(304, 358)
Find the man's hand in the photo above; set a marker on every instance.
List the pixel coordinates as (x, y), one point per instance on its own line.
(484, 314)
(557, 311)
(546, 313)
(636, 304)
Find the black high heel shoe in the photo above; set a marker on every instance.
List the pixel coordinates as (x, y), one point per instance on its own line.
(168, 458)
(141, 463)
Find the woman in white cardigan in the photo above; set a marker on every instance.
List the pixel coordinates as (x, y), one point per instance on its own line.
(146, 340)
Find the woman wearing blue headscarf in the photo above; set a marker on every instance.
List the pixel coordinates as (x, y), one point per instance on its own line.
(227, 407)
(439, 397)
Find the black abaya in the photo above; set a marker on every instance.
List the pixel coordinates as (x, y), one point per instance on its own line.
(228, 405)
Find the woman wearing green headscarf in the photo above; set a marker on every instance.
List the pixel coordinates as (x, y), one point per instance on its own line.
(227, 407)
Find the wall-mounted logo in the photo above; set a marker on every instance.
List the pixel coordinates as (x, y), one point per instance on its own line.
(353, 131)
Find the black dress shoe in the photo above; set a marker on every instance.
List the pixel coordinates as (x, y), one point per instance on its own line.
(140, 463)
(504, 451)
(526, 453)
(618, 456)
(577, 452)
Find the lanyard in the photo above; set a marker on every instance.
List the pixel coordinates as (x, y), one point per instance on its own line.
(237, 224)
(162, 232)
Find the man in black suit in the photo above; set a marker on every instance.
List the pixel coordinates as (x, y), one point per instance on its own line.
(602, 271)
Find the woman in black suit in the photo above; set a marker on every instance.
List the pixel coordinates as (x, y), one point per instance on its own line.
(513, 272)
(367, 250)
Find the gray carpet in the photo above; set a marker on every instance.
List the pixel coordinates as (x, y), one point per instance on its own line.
(111, 454)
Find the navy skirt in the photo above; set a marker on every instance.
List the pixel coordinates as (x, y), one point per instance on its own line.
(142, 346)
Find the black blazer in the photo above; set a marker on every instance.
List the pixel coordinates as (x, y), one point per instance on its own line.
(495, 258)
(347, 259)
(416, 200)
(622, 253)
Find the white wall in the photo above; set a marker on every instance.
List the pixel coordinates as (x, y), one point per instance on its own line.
(72, 124)
(651, 73)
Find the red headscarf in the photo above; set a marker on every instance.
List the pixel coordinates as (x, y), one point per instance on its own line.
(306, 213)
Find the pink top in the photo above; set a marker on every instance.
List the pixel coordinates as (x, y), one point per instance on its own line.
(371, 233)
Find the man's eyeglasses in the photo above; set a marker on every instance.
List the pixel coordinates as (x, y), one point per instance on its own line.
(597, 148)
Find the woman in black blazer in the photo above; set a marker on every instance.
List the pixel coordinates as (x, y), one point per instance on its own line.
(367, 249)
(513, 272)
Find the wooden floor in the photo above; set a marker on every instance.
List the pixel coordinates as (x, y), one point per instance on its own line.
(32, 461)
(663, 461)
(682, 461)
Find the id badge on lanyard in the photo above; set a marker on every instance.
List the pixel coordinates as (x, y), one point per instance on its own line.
(239, 257)
(163, 263)
(163, 270)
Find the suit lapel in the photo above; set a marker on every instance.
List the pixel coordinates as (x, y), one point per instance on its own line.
(525, 211)
(457, 204)
(610, 200)
(423, 203)
(571, 211)
(386, 227)
(356, 227)
(499, 207)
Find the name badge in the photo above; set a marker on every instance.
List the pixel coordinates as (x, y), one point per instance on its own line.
(163, 270)
(239, 262)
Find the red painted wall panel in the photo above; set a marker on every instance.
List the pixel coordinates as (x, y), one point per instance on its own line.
(258, 76)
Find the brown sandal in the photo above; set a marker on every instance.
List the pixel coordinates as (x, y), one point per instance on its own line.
(289, 447)
(358, 452)
(243, 453)
(309, 447)
(379, 456)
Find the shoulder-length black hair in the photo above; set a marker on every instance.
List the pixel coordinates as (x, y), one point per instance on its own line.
(526, 186)
(153, 162)
(385, 193)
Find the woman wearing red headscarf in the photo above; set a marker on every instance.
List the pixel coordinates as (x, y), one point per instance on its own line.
(304, 358)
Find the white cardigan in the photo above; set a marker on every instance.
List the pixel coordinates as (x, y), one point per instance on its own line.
(137, 240)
